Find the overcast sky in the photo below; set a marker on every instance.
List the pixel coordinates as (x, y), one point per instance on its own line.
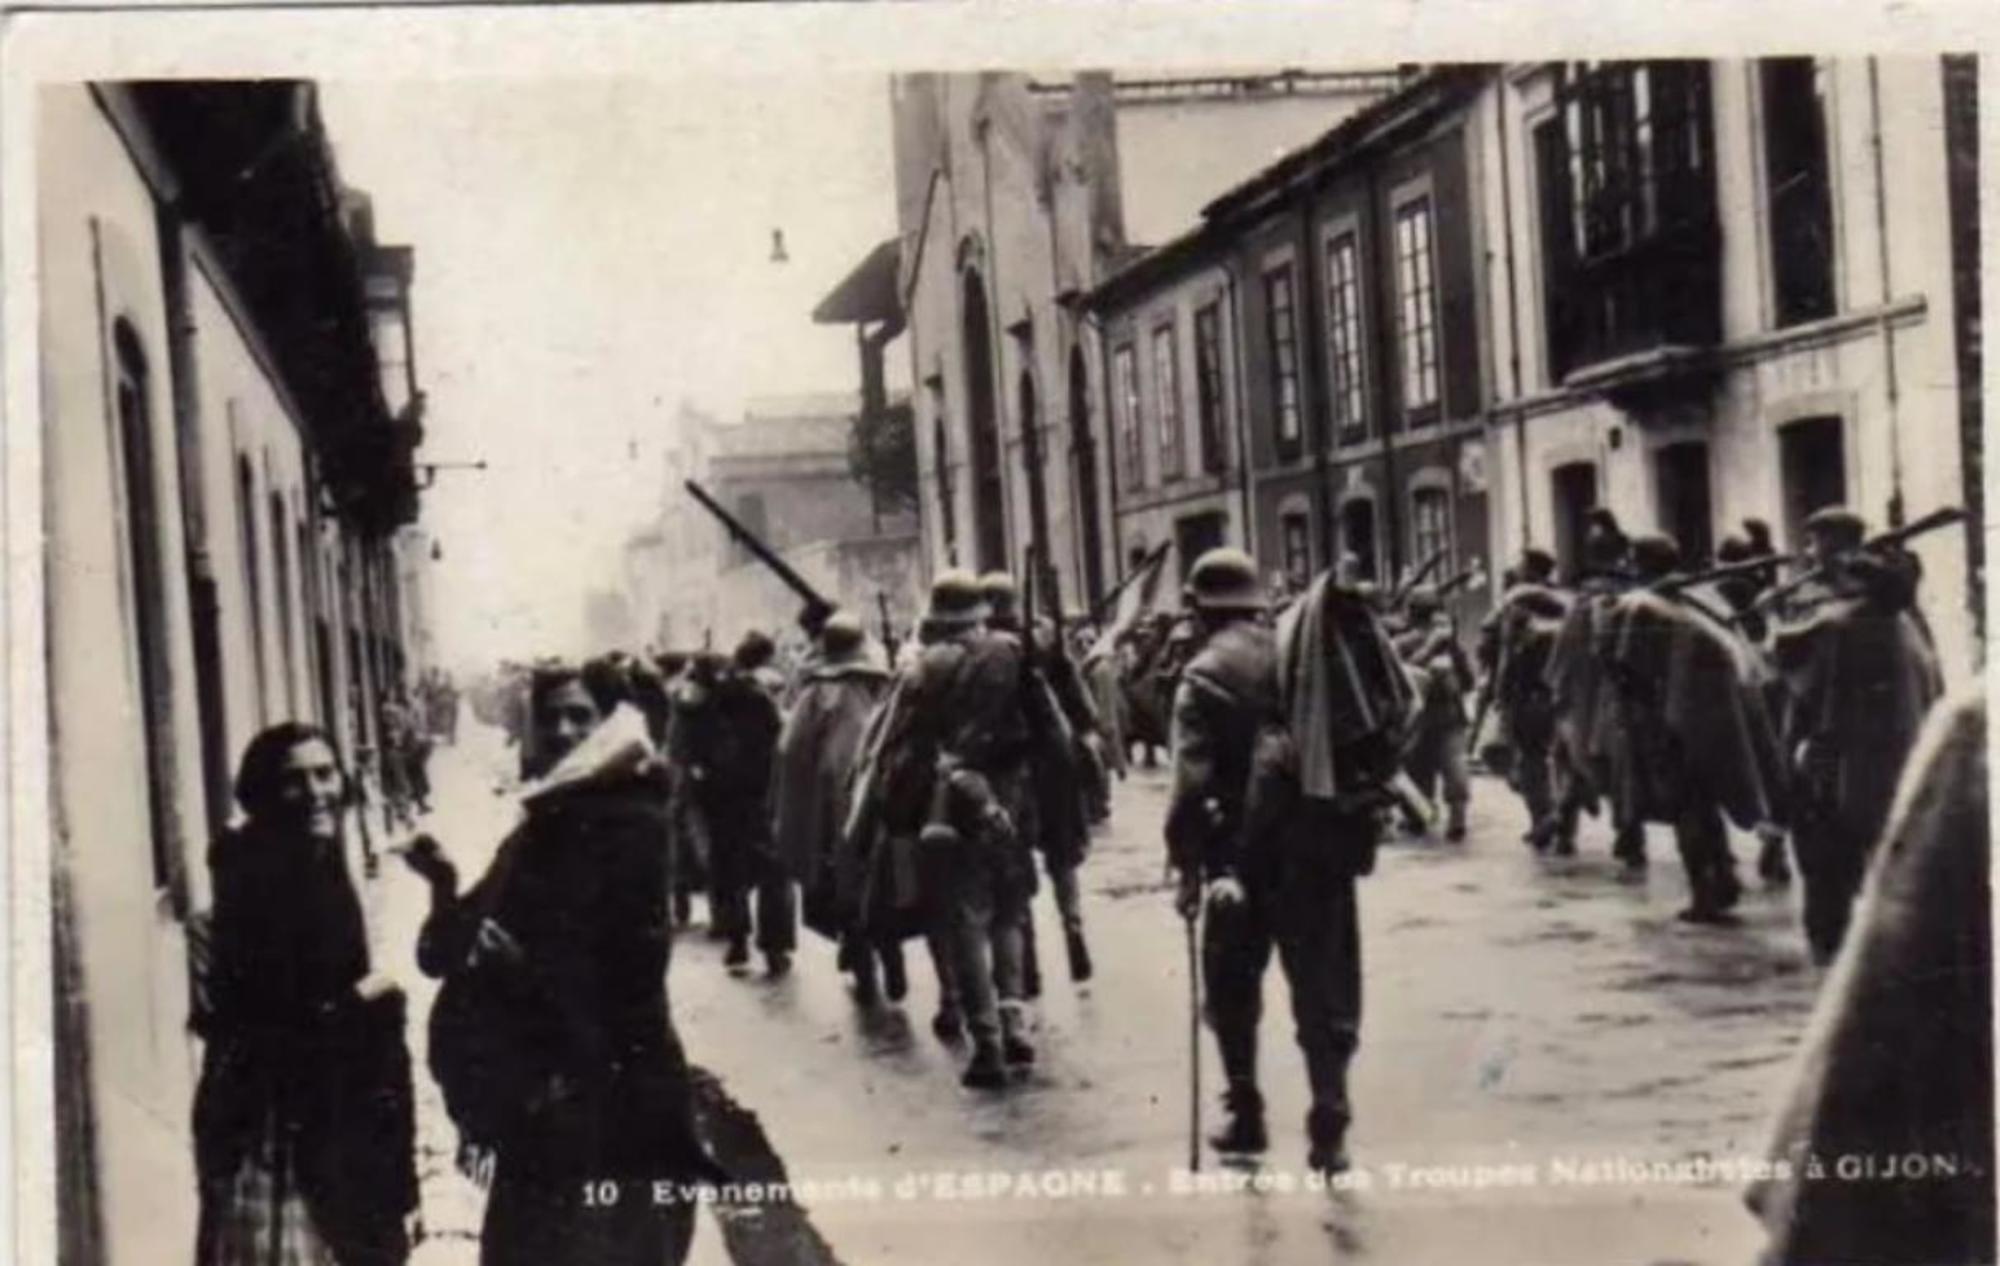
(588, 254)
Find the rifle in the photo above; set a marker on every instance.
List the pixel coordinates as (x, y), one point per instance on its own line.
(1672, 585)
(1402, 591)
(1110, 600)
(1941, 518)
(1457, 582)
(817, 608)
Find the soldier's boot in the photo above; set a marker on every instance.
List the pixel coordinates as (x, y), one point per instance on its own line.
(949, 1023)
(1454, 829)
(1326, 1132)
(777, 963)
(895, 980)
(1031, 962)
(1773, 866)
(862, 964)
(987, 1071)
(1015, 1048)
(739, 951)
(683, 907)
(1079, 956)
(1243, 1131)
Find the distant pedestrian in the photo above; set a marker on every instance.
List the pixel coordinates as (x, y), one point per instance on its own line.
(303, 1119)
(731, 743)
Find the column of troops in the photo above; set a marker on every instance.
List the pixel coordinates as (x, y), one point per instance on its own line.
(927, 791)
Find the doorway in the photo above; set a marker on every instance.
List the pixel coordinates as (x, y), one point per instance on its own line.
(1812, 459)
(1573, 486)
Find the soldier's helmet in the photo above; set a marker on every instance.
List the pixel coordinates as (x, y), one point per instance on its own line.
(1000, 592)
(1654, 555)
(1225, 580)
(842, 634)
(1837, 527)
(956, 602)
(1424, 601)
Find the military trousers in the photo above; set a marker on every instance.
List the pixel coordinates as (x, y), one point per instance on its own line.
(1438, 759)
(1310, 918)
(1703, 841)
(1833, 859)
(741, 866)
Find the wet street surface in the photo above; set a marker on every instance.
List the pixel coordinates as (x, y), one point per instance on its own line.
(1540, 1042)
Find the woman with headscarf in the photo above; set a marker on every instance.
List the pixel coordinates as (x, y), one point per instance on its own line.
(552, 1038)
(303, 1119)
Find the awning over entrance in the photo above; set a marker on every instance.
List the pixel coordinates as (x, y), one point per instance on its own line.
(868, 293)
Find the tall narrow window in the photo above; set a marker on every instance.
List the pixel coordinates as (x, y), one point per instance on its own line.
(1295, 538)
(1282, 321)
(1125, 372)
(1209, 400)
(253, 584)
(1167, 384)
(1343, 337)
(140, 509)
(941, 456)
(1430, 527)
(281, 547)
(1416, 306)
(1799, 193)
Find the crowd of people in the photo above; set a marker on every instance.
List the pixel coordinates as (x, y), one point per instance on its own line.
(931, 795)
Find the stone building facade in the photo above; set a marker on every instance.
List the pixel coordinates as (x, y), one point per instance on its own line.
(1012, 204)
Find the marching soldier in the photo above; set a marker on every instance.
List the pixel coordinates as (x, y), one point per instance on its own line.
(1436, 751)
(1593, 757)
(817, 751)
(1063, 836)
(1861, 675)
(733, 735)
(1273, 868)
(962, 744)
(1514, 645)
(1669, 761)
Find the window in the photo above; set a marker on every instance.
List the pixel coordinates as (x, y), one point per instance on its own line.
(1800, 200)
(1626, 176)
(1167, 384)
(1208, 389)
(1343, 333)
(1125, 371)
(1357, 535)
(1416, 306)
(1279, 308)
(1295, 537)
(253, 584)
(139, 506)
(941, 456)
(1430, 527)
(1197, 534)
(281, 545)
